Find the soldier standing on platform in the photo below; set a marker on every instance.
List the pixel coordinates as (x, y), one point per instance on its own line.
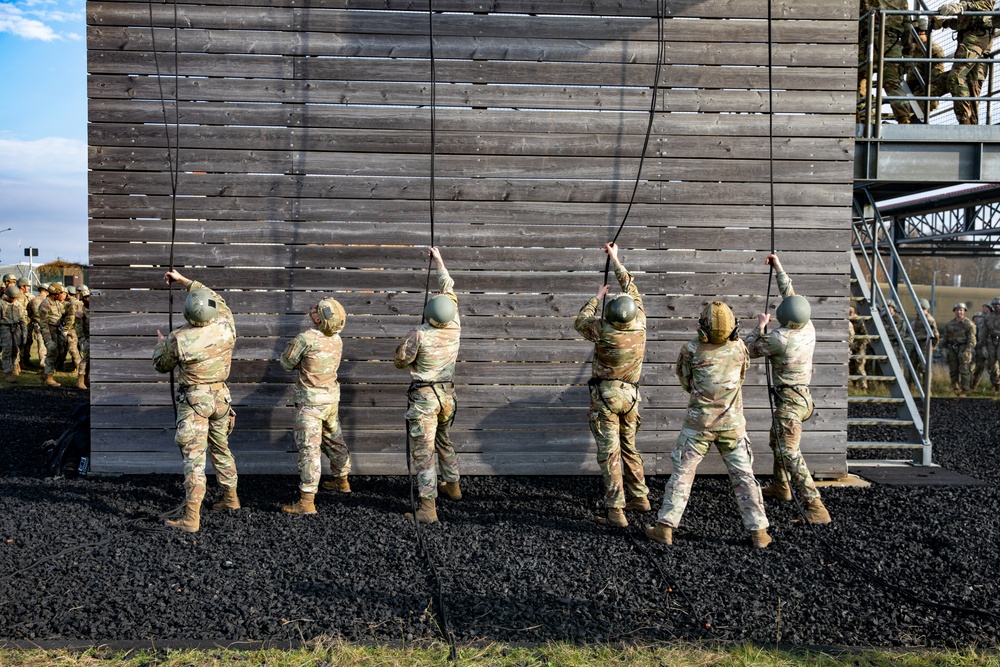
(430, 353)
(203, 351)
(712, 368)
(790, 350)
(316, 355)
(619, 345)
(959, 342)
(974, 35)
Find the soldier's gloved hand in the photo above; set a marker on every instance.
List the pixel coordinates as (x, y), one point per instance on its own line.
(937, 23)
(950, 9)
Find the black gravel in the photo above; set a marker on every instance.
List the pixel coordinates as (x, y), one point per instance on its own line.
(520, 558)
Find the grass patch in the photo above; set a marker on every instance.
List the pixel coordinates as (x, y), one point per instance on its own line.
(940, 386)
(342, 654)
(32, 377)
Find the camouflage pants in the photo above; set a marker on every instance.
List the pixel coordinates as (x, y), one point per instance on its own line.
(51, 336)
(84, 364)
(26, 340)
(317, 432)
(73, 348)
(857, 366)
(614, 420)
(785, 439)
(428, 417)
(692, 446)
(992, 348)
(959, 367)
(10, 342)
(36, 334)
(981, 364)
(965, 79)
(205, 418)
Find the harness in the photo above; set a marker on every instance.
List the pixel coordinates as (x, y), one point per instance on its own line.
(595, 382)
(420, 384)
(797, 388)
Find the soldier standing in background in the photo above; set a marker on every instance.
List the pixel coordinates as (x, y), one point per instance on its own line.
(921, 336)
(82, 331)
(203, 350)
(24, 285)
(979, 357)
(975, 38)
(959, 342)
(316, 355)
(991, 343)
(619, 345)
(11, 316)
(35, 323)
(71, 343)
(430, 352)
(712, 368)
(790, 350)
(857, 345)
(56, 317)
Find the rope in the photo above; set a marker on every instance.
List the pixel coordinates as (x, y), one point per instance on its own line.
(173, 165)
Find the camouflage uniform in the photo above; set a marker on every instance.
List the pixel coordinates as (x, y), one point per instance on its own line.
(430, 353)
(959, 342)
(82, 331)
(920, 334)
(25, 348)
(614, 393)
(317, 356)
(713, 375)
(991, 336)
(11, 318)
(916, 74)
(205, 416)
(890, 79)
(56, 319)
(857, 345)
(72, 340)
(790, 350)
(975, 39)
(980, 355)
(35, 327)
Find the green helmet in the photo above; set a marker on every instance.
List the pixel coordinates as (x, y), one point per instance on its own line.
(200, 307)
(45, 286)
(11, 293)
(925, 304)
(717, 324)
(71, 289)
(331, 316)
(995, 302)
(9, 278)
(793, 310)
(440, 310)
(621, 311)
(21, 282)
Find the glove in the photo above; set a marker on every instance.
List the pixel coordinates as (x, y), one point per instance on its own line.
(950, 9)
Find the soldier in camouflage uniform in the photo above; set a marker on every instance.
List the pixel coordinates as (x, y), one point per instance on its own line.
(316, 355)
(712, 368)
(71, 342)
(11, 316)
(789, 349)
(203, 351)
(56, 318)
(24, 285)
(916, 73)
(891, 78)
(857, 345)
(619, 345)
(975, 39)
(959, 342)
(20, 332)
(82, 331)
(991, 343)
(430, 352)
(979, 356)
(35, 323)
(921, 337)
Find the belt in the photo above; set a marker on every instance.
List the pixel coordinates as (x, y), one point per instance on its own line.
(420, 384)
(593, 382)
(213, 386)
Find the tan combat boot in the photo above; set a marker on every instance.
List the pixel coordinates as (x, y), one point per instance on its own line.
(759, 539)
(230, 501)
(191, 521)
(640, 504)
(816, 512)
(80, 382)
(50, 381)
(450, 490)
(779, 490)
(427, 512)
(338, 484)
(616, 517)
(305, 505)
(660, 532)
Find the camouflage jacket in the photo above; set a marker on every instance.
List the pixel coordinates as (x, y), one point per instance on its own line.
(11, 312)
(618, 353)
(54, 313)
(920, 334)
(959, 334)
(204, 354)
(34, 309)
(713, 375)
(856, 329)
(963, 23)
(895, 25)
(317, 358)
(991, 328)
(82, 320)
(430, 352)
(25, 301)
(790, 349)
(914, 49)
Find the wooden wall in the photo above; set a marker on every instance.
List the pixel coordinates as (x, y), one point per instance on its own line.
(304, 170)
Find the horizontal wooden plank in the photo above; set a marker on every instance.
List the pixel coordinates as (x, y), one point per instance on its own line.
(469, 120)
(726, 9)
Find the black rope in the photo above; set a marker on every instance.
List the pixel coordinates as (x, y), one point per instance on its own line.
(173, 164)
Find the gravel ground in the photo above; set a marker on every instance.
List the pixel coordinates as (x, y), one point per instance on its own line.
(521, 559)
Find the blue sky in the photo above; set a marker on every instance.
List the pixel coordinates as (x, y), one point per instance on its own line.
(43, 130)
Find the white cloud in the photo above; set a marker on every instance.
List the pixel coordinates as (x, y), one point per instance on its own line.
(54, 156)
(32, 24)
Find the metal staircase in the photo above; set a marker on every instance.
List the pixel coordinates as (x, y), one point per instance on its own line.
(873, 247)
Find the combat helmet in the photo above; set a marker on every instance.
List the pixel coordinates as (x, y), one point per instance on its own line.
(200, 307)
(56, 288)
(793, 311)
(331, 316)
(45, 286)
(71, 290)
(83, 291)
(925, 304)
(11, 293)
(995, 302)
(9, 278)
(21, 282)
(717, 324)
(440, 310)
(621, 311)
(959, 305)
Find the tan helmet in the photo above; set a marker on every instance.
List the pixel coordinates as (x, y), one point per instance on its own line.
(83, 291)
(332, 316)
(44, 287)
(717, 324)
(958, 305)
(9, 278)
(56, 288)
